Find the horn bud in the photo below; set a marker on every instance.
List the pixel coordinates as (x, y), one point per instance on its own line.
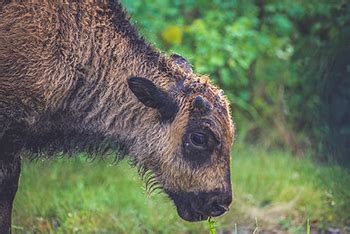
(199, 103)
(182, 62)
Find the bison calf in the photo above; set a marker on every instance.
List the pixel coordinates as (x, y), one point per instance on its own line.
(76, 77)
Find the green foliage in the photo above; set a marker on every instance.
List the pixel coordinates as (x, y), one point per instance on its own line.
(211, 224)
(332, 125)
(324, 80)
(258, 51)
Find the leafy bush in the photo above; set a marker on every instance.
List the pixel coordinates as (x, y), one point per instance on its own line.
(259, 52)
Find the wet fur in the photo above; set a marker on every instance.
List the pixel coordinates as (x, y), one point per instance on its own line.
(64, 67)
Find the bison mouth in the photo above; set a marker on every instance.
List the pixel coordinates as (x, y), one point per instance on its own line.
(196, 207)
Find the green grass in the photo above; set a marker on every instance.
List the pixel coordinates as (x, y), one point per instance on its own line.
(272, 191)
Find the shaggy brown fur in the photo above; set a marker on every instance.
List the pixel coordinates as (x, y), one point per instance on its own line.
(65, 87)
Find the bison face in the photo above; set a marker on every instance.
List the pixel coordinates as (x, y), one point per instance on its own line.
(200, 186)
(192, 162)
(206, 190)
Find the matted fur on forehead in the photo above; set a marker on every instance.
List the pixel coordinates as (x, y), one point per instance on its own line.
(191, 87)
(188, 83)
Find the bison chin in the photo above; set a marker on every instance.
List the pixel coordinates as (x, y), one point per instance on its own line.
(199, 206)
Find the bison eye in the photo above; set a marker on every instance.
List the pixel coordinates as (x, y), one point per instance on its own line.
(199, 139)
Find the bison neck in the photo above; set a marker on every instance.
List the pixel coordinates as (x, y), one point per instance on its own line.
(73, 89)
(99, 112)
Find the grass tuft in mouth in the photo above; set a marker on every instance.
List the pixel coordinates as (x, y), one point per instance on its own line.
(211, 223)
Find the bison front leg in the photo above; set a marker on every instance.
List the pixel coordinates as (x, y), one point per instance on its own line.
(9, 175)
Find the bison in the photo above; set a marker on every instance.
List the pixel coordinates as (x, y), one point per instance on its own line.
(75, 76)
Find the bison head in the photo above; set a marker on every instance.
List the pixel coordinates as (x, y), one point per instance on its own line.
(191, 146)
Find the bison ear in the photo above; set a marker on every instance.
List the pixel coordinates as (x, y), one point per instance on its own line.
(182, 62)
(152, 96)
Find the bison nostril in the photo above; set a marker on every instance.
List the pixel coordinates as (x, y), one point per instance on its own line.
(223, 207)
(218, 209)
(213, 203)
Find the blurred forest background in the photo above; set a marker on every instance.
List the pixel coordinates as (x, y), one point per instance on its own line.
(285, 66)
